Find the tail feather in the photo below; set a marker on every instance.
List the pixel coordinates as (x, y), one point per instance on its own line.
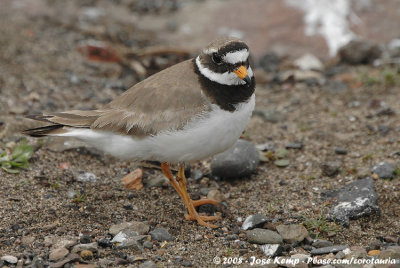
(45, 131)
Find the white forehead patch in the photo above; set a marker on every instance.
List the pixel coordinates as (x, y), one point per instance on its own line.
(237, 56)
(227, 78)
(209, 51)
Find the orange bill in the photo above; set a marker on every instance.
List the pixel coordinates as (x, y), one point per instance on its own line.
(241, 72)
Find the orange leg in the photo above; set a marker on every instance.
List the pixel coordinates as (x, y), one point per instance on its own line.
(180, 186)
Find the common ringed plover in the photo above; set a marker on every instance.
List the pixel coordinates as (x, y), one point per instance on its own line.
(187, 112)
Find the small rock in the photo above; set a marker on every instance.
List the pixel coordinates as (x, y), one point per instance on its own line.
(327, 250)
(60, 242)
(320, 243)
(216, 195)
(359, 52)
(161, 234)
(384, 170)
(86, 177)
(186, 263)
(197, 174)
(375, 244)
(141, 228)
(204, 191)
(339, 150)
(9, 259)
(86, 254)
(148, 264)
(292, 232)
(262, 236)
(282, 162)
(27, 240)
(385, 110)
(330, 169)
(198, 237)
(254, 221)
(268, 146)
(296, 145)
(91, 246)
(85, 239)
(125, 234)
(71, 194)
(392, 252)
(355, 200)
(239, 161)
(70, 258)
(159, 181)
(148, 244)
(374, 252)
(271, 250)
(58, 254)
(309, 62)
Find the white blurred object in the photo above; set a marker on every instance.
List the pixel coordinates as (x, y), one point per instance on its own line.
(330, 18)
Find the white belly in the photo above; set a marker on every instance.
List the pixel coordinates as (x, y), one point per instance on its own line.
(201, 138)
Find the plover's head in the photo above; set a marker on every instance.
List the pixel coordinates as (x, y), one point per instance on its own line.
(226, 61)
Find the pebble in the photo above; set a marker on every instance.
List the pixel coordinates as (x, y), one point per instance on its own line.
(239, 161)
(148, 244)
(85, 239)
(384, 170)
(375, 244)
(330, 169)
(292, 232)
(10, 259)
(254, 221)
(58, 254)
(359, 52)
(196, 174)
(216, 195)
(355, 200)
(71, 194)
(159, 181)
(271, 250)
(309, 62)
(262, 236)
(327, 250)
(140, 227)
(374, 252)
(70, 258)
(198, 237)
(90, 246)
(296, 145)
(161, 234)
(204, 191)
(339, 150)
(86, 254)
(86, 177)
(186, 263)
(148, 264)
(27, 240)
(320, 243)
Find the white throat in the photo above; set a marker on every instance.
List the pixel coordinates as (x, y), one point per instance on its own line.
(227, 78)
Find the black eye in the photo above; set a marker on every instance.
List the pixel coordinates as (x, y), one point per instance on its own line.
(216, 58)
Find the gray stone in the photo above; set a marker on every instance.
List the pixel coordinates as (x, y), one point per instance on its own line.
(254, 221)
(204, 191)
(70, 258)
(10, 259)
(148, 264)
(292, 232)
(384, 170)
(137, 226)
(215, 195)
(296, 145)
(359, 52)
(375, 244)
(263, 236)
(339, 150)
(135, 243)
(161, 234)
(86, 177)
(327, 250)
(354, 200)
(271, 250)
(320, 243)
(58, 254)
(148, 244)
(309, 62)
(239, 161)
